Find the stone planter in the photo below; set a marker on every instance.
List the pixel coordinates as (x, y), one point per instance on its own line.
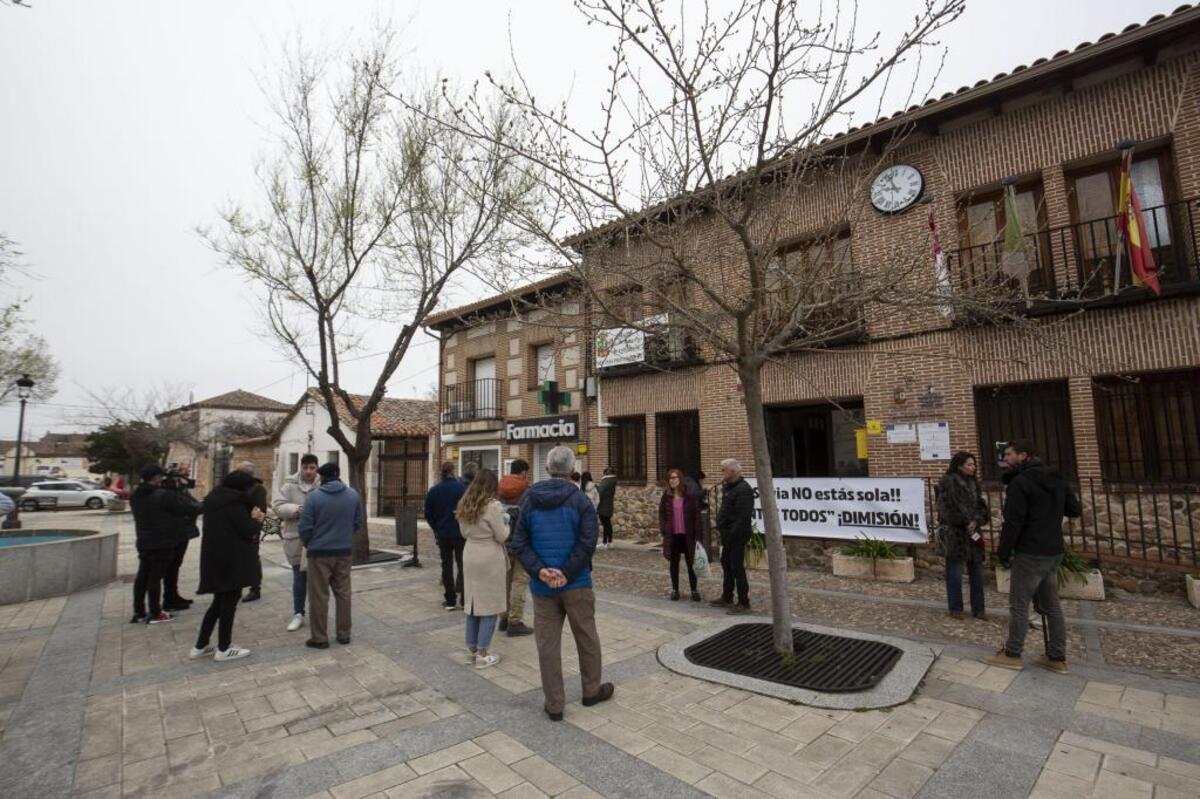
(895, 570)
(118, 505)
(1072, 589)
(1193, 589)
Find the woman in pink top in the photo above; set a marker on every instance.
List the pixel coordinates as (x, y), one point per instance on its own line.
(679, 523)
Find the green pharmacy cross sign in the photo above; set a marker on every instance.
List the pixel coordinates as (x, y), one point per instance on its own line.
(552, 399)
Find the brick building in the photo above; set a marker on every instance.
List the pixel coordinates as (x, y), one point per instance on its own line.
(1109, 387)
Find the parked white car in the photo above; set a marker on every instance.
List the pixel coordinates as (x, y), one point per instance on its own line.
(65, 494)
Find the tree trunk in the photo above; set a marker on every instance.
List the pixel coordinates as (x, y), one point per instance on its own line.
(358, 481)
(781, 608)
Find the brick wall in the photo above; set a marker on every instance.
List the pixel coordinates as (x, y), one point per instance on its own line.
(1042, 136)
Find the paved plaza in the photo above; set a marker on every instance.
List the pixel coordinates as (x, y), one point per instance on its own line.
(93, 706)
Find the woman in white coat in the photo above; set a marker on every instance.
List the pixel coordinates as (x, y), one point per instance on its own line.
(485, 565)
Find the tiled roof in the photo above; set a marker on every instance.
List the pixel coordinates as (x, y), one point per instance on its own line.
(1130, 36)
(445, 318)
(59, 445)
(392, 417)
(236, 400)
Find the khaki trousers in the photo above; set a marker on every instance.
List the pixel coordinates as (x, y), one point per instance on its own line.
(518, 582)
(324, 573)
(577, 606)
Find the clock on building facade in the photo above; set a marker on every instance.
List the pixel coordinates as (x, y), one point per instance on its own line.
(897, 188)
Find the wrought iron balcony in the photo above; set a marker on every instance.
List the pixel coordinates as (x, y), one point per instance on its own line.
(1075, 264)
(472, 401)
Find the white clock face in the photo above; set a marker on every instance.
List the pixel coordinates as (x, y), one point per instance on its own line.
(896, 188)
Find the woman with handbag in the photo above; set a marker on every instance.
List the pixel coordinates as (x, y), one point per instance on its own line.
(962, 511)
(679, 523)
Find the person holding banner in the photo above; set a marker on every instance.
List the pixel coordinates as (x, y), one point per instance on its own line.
(962, 510)
(679, 523)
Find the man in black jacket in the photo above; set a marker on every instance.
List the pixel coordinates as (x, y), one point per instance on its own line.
(733, 522)
(162, 519)
(1037, 499)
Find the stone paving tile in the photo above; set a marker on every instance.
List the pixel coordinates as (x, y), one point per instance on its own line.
(1154, 709)
(1081, 766)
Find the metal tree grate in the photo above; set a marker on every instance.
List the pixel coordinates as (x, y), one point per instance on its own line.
(821, 662)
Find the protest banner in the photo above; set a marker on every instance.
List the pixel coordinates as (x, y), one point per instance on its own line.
(890, 509)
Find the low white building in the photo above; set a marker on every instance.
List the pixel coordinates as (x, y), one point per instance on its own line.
(403, 448)
(203, 431)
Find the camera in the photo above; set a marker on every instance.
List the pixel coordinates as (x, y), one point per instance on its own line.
(176, 479)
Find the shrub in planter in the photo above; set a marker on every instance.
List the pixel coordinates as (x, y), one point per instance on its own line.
(872, 559)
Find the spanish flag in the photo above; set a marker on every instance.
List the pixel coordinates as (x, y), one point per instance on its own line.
(1133, 229)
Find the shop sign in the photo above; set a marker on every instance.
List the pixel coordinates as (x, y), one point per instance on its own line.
(542, 428)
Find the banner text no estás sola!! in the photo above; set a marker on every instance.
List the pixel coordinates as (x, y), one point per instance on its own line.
(890, 509)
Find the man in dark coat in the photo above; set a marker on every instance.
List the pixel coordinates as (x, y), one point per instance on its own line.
(734, 523)
(258, 496)
(180, 481)
(228, 555)
(1035, 503)
(440, 503)
(162, 520)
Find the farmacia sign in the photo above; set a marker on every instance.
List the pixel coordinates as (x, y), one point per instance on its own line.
(543, 428)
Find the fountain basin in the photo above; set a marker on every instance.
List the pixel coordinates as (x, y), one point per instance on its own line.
(36, 564)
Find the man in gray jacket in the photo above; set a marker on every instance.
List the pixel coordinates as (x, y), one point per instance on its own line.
(330, 517)
(288, 503)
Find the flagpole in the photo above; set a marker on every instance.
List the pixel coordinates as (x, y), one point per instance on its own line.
(1125, 146)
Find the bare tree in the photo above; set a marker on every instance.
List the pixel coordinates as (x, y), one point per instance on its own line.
(21, 352)
(370, 209)
(140, 412)
(687, 189)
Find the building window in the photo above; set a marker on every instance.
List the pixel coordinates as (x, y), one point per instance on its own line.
(627, 448)
(1149, 426)
(542, 366)
(981, 223)
(810, 285)
(677, 439)
(333, 456)
(1094, 196)
(625, 306)
(1037, 412)
(816, 440)
(293, 462)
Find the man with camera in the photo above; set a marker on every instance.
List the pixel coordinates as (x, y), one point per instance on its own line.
(164, 518)
(178, 478)
(259, 499)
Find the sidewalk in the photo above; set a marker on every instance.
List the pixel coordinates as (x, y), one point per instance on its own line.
(93, 706)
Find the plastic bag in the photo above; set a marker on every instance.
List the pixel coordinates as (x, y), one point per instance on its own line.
(700, 564)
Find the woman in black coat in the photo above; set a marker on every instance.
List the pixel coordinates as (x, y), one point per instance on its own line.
(962, 511)
(228, 559)
(679, 523)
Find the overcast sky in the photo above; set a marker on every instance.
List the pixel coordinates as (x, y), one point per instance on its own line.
(127, 124)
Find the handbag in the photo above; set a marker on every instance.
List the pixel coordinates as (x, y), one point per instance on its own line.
(700, 564)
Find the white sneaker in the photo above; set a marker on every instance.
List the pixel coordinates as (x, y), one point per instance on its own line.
(232, 653)
(296, 623)
(207, 651)
(490, 659)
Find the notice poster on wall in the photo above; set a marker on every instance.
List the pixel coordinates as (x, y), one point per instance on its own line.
(934, 438)
(901, 433)
(890, 509)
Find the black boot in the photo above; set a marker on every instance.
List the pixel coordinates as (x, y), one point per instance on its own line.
(253, 595)
(675, 595)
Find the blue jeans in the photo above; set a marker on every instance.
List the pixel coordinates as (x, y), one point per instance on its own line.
(299, 589)
(954, 570)
(479, 631)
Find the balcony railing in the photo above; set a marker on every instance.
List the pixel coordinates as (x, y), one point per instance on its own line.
(472, 401)
(1075, 264)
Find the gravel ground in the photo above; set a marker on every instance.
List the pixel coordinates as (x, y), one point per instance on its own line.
(643, 571)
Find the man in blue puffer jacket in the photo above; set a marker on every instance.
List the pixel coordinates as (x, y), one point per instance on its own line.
(330, 517)
(554, 540)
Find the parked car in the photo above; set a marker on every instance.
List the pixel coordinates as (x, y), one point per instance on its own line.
(65, 494)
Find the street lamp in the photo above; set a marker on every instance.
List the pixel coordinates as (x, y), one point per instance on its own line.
(24, 392)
